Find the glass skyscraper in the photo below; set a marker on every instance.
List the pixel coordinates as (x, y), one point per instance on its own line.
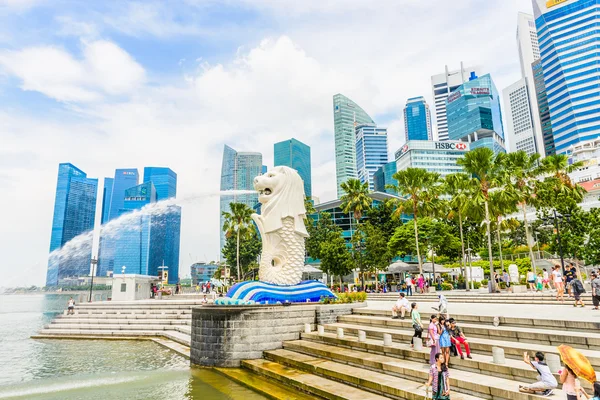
(238, 171)
(417, 120)
(543, 110)
(74, 214)
(164, 180)
(474, 114)
(295, 154)
(383, 177)
(106, 195)
(433, 156)
(371, 151)
(346, 116)
(569, 41)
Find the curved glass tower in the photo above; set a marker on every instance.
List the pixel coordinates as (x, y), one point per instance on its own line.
(346, 116)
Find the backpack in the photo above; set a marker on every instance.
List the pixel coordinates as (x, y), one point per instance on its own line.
(578, 286)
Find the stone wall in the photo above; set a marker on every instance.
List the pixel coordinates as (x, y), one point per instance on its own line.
(222, 336)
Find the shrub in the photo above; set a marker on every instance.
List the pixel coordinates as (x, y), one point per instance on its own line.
(476, 285)
(447, 286)
(502, 285)
(484, 282)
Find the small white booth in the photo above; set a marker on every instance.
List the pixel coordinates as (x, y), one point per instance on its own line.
(128, 287)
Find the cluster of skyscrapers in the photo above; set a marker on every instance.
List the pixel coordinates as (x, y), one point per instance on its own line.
(147, 245)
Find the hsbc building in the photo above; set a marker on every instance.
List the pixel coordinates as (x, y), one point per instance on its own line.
(432, 156)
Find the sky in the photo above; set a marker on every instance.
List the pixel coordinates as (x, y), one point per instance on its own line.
(122, 84)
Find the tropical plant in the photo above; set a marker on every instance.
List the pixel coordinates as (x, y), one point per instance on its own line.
(557, 190)
(335, 258)
(356, 198)
(238, 222)
(418, 189)
(246, 252)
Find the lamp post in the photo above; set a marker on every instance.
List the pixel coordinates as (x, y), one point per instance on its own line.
(94, 262)
(469, 250)
(555, 217)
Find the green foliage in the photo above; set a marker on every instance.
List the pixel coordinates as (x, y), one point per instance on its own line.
(371, 242)
(250, 247)
(477, 285)
(238, 224)
(484, 282)
(447, 286)
(356, 198)
(591, 248)
(346, 298)
(334, 256)
(434, 234)
(321, 230)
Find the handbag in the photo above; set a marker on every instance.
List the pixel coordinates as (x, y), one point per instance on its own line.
(418, 328)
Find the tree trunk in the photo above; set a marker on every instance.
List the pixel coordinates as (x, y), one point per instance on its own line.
(528, 237)
(489, 238)
(238, 255)
(417, 238)
(500, 247)
(462, 243)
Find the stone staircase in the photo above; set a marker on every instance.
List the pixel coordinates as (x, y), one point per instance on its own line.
(167, 322)
(481, 296)
(330, 367)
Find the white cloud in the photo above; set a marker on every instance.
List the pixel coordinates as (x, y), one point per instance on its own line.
(70, 26)
(104, 69)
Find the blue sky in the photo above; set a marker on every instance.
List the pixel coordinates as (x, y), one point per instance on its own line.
(120, 84)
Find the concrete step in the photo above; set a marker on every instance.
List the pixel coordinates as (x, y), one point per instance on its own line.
(115, 327)
(309, 383)
(554, 324)
(123, 321)
(128, 316)
(376, 382)
(179, 337)
(583, 340)
(133, 310)
(478, 345)
(461, 381)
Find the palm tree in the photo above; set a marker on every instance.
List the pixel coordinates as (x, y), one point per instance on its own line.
(557, 165)
(460, 188)
(418, 188)
(557, 183)
(481, 164)
(502, 202)
(355, 200)
(523, 172)
(237, 222)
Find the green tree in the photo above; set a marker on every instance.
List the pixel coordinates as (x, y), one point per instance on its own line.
(591, 248)
(243, 252)
(320, 230)
(238, 223)
(355, 200)
(370, 249)
(557, 190)
(481, 164)
(418, 188)
(435, 235)
(335, 257)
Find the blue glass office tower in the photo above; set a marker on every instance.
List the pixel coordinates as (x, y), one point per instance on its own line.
(238, 171)
(164, 180)
(106, 195)
(569, 41)
(295, 154)
(417, 120)
(474, 114)
(383, 177)
(74, 214)
(371, 151)
(543, 110)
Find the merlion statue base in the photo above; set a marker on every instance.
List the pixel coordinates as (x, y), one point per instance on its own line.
(256, 292)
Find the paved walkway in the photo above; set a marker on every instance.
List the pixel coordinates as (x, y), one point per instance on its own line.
(561, 312)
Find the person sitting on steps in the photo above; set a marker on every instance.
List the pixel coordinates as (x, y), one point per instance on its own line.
(402, 306)
(546, 381)
(458, 338)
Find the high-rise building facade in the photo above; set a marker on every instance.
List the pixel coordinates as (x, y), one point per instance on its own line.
(106, 195)
(295, 154)
(417, 120)
(164, 180)
(519, 120)
(543, 109)
(238, 171)
(383, 177)
(433, 156)
(529, 52)
(371, 151)
(74, 214)
(346, 116)
(442, 85)
(474, 114)
(569, 44)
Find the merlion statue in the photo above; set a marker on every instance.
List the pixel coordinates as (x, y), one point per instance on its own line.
(281, 226)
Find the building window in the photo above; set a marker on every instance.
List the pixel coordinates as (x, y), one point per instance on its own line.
(123, 287)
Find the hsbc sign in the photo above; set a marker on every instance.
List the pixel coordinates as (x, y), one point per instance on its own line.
(450, 146)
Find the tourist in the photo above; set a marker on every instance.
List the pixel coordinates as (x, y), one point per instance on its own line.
(442, 307)
(546, 381)
(546, 279)
(439, 378)
(402, 306)
(506, 279)
(445, 341)
(177, 288)
(458, 338)
(569, 276)
(558, 283)
(570, 384)
(531, 280)
(421, 284)
(152, 290)
(595, 290)
(578, 290)
(409, 286)
(433, 338)
(204, 300)
(197, 288)
(539, 282)
(415, 316)
(71, 306)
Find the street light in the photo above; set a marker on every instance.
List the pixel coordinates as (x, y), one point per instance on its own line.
(94, 262)
(469, 250)
(555, 217)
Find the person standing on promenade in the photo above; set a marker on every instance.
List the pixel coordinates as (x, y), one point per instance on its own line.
(570, 384)
(458, 338)
(445, 341)
(569, 276)
(546, 381)
(558, 283)
(531, 280)
(402, 306)
(433, 339)
(409, 285)
(578, 290)
(439, 379)
(506, 279)
(415, 316)
(546, 279)
(71, 306)
(595, 290)
(421, 283)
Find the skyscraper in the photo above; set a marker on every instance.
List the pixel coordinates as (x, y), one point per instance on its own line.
(371, 151)
(112, 202)
(543, 110)
(417, 119)
(164, 180)
(519, 118)
(346, 116)
(383, 177)
(238, 171)
(474, 114)
(74, 214)
(442, 85)
(295, 154)
(569, 44)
